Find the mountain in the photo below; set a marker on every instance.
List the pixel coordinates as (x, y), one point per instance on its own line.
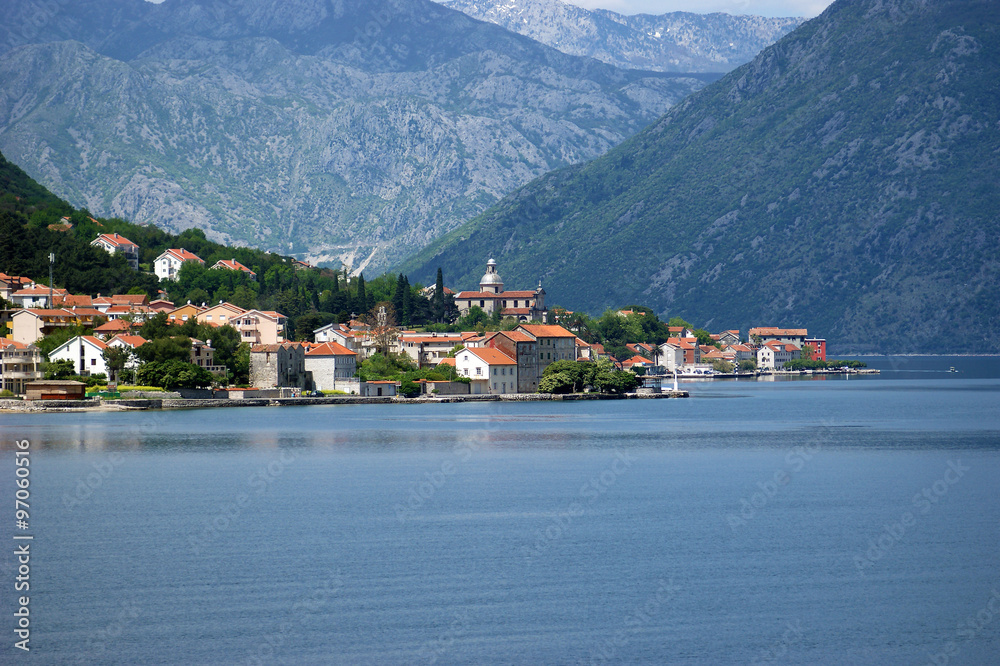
(845, 180)
(332, 129)
(674, 42)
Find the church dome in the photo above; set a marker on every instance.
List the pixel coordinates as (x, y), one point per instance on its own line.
(491, 278)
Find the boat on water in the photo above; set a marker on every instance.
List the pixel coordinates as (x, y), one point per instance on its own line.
(952, 369)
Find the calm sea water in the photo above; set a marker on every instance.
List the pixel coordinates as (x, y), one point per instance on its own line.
(815, 521)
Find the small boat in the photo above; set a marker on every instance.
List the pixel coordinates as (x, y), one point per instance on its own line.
(952, 369)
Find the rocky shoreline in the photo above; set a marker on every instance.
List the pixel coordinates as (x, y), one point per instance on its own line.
(145, 404)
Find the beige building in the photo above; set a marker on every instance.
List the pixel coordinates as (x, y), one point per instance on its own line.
(522, 305)
(29, 325)
(259, 327)
(19, 364)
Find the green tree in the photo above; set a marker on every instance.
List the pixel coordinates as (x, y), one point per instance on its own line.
(556, 382)
(160, 350)
(157, 326)
(748, 365)
(616, 382)
(437, 300)
(60, 369)
(173, 374)
(116, 358)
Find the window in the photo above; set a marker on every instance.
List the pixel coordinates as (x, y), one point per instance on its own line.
(479, 370)
(93, 361)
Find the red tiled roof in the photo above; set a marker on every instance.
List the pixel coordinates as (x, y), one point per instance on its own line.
(113, 325)
(516, 311)
(491, 356)
(115, 239)
(546, 331)
(778, 332)
(447, 361)
(330, 349)
(39, 290)
(131, 340)
(233, 265)
(69, 300)
(180, 254)
(100, 344)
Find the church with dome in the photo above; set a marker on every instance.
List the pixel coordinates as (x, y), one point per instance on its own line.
(522, 305)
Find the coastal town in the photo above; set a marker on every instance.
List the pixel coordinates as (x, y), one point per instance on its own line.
(527, 354)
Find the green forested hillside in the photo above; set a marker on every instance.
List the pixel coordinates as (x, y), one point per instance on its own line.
(31, 226)
(845, 180)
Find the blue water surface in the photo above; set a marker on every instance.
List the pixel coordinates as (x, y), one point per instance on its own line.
(823, 520)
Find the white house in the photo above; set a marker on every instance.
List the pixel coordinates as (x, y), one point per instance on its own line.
(774, 355)
(333, 367)
(338, 333)
(85, 353)
(490, 370)
(167, 265)
(115, 242)
(36, 296)
(129, 342)
(671, 357)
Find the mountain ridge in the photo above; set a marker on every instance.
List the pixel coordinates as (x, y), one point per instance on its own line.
(357, 144)
(672, 42)
(844, 180)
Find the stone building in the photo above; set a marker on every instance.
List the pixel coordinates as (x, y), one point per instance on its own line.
(281, 364)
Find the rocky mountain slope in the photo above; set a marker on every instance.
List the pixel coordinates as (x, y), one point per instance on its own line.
(334, 129)
(846, 180)
(674, 42)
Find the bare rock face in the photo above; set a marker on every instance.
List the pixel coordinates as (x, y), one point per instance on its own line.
(674, 42)
(326, 128)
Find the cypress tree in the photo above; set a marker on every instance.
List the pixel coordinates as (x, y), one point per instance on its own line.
(437, 302)
(361, 302)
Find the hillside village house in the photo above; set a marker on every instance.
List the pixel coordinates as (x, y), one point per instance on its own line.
(490, 370)
(10, 284)
(233, 265)
(181, 314)
(332, 367)
(523, 348)
(167, 265)
(116, 243)
(36, 296)
(774, 355)
(29, 325)
(84, 351)
(220, 315)
(522, 305)
(19, 364)
(427, 349)
(260, 327)
(339, 333)
(130, 342)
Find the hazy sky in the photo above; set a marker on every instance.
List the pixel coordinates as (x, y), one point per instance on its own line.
(807, 8)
